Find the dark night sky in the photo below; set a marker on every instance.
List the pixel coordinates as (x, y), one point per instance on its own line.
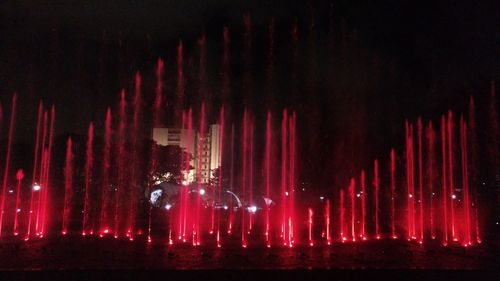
(401, 58)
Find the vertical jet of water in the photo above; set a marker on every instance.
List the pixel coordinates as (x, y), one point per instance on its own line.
(134, 179)
(363, 205)
(190, 145)
(89, 162)
(327, 222)
(7, 158)
(431, 142)
(201, 142)
(250, 174)
(119, 189)
(231, 183)
(19, 178)
(68, 186)
(221, 158)
(445, 185)
(106, 165)
(474, 171)
(35, 165)
(310, 223)
(420, 179)
(450, 170)
(352, 187)
(267, 167)
(341, 214)
(284, 192)
(244, 176)
(393, 193)
(292, 170)
(156, 123)
(46, 177)
(182, 188)
(41, 172)
(465, 180)
(376, 183)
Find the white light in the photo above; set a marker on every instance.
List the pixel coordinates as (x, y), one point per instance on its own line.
(202, 191)
(252, 209)
(184, 182)
(11, 191)
(410, 195)
(321, 198)
(18, 210)
(303, 189)
(168, 206)
(358, 195)
(286, 193)
(453, 196)
(225, 207)
(36, 187)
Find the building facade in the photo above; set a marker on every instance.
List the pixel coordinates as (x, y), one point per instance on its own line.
(205, 150)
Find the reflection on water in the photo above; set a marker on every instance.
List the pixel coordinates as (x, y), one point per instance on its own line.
(94, 253)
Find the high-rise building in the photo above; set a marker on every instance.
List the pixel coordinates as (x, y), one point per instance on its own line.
(192, 142)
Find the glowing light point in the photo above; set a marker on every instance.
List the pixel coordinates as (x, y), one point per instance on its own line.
(252, 209)
(202, 191)
(168, 206)
(36, 187)
(453, 196)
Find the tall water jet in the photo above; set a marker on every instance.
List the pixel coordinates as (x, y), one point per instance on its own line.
(310, 224)
(473, 168)
(445, 182)
(134, 184)
(363, 205)
(431, 143)
(35, 166)
(41, 185)
(244, 174)
(121, 160)
(201, 142)
(7, 158)
(46, 172)
(449, 128)
(465, 180)
(221, 157)
(393, 193)
(267, 169)
(68, 186)
(410, 181)
(327, 222)
(106, 166)
(89, 162)
(341, 216)
(352, 187)
(284, 192)
(250, 175)
(376, 184)
(420, 179)
(231, 183)
(17, 210)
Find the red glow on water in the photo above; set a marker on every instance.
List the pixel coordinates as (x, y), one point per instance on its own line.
(376, 183)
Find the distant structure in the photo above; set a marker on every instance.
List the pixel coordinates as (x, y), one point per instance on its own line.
(210, 145)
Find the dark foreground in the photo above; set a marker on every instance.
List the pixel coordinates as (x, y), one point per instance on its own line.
(77, 253)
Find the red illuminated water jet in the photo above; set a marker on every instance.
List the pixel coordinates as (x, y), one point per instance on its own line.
(89, 162)
(68, 186)
(17, 210)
